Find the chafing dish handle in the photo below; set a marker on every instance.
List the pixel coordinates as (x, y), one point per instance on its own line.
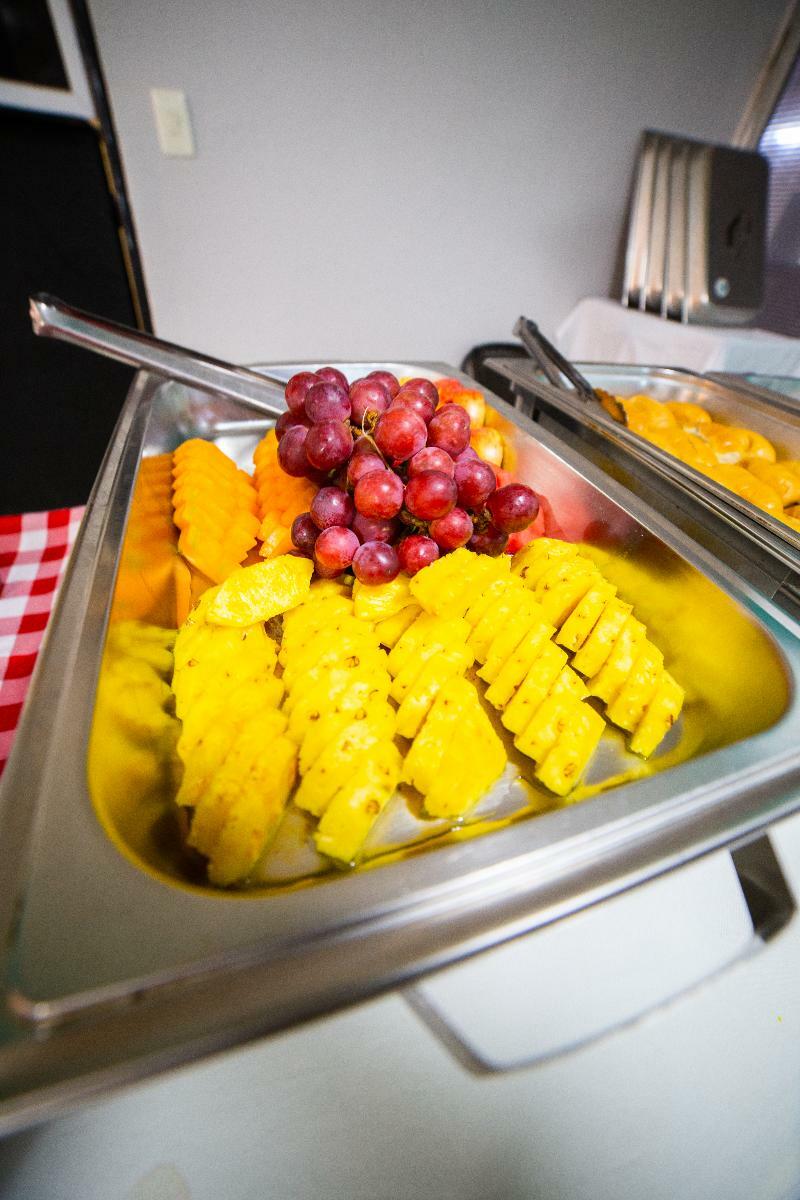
(53, 318)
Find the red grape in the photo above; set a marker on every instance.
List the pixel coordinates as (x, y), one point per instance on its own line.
(296, 389)
(363, 445)
(452, 530)
(430, 494)
(374, 529)
(362, 464)
(491, 541)
(391, 381)
(368, 395)
(416, 552)
(469, 453)
(424, 387)
(399, 434)
(430, 458)
(475, 481)
(304, 532)
(379, 494)
(376, 562)
(332, 506)
(327, 445)
(421, 405)
(287, 420)
(513, 507)
(449, 429)
(326, 401)
(292, 451)
(334, 549)
(333, 376)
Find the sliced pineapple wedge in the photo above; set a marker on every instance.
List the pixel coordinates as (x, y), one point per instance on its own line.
(355, 808)
(659, 716)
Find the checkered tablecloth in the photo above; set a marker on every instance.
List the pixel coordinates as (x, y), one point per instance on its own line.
(34, 549)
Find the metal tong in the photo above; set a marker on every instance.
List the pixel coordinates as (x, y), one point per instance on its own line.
(551, 361)
(52, 318)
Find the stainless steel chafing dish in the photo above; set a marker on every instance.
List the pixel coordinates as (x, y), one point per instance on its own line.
(115, 967)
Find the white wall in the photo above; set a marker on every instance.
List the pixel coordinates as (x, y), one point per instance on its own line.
(402, 178)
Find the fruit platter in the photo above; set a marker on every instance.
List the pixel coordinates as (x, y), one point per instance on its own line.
(376, 640)
(282, 711)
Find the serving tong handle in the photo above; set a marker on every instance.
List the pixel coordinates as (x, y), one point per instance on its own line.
(53, 318)
(552, 361)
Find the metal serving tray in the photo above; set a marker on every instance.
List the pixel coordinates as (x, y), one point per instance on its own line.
(114, 969)
(774, 416)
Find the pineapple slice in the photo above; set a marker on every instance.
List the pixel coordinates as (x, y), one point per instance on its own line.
(528, 617)
(361, 652)
(356, 807)
(627, 707)
(597, 647)
(580, 622)
(430, 680)
(568, 681)
(346, 693)
(534, 687)
(659, 716)
(244, 801)
(560, 599)
(331, 727)
(619, 664)
(517, 665)
(391, 629)
(337, 631)
(534, 559)
(332, 770)
(565, 762)
(332, 677)
(374, 602)
(488, 595)
(423, 761)
(559, 710)
(474, 759)
(511, 602)
(427, 630)
(261, 591)
(446, 585)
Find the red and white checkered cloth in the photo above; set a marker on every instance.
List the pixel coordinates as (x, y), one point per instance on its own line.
(34, 549)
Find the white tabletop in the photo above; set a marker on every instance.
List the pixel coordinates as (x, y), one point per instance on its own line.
(601, 330)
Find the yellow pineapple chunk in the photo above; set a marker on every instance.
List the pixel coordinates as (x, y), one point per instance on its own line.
(559, 709)
(495, 619)
(597, 647)
(331, 727)
(537, 683)
(333, 768)
(360, 652)
(356, 807)
(261, 591)
(391, 629)
(244, 800)
(421, 695)
(427, 630)
(619, 664)
(565, 762)
(569, 681)
(308, 619)
(373, 602)
(346, 692)
(533, 559)
(517, 665)
(473, 760)
(660, 715)
(580, 622)
(559, 600)
(527, 617)
(627, 707)
(427, 751)
(333, 676)
(488, 595)
(444, 588)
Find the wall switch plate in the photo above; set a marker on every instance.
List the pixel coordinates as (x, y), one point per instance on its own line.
(173, 126)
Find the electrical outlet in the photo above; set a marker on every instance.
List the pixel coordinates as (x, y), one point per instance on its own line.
(173, 125)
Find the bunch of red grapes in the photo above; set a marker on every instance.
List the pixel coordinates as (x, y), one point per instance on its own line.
(399, 481)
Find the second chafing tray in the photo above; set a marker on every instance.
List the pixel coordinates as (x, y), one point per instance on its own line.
(773, 546)
(116, 967)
